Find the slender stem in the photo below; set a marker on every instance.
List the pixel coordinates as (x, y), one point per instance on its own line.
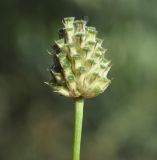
(79, 103)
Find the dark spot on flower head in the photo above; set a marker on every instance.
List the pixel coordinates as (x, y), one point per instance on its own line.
(57, 68)
(56, 49)
(61, 33)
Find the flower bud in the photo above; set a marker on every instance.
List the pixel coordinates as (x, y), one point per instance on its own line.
(80, 69)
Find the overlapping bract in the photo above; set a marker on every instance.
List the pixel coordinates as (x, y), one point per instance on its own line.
(80, 69)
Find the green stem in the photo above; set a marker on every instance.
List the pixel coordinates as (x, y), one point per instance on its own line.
(79, 103)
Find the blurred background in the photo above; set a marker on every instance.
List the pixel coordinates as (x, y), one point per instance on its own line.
(36, 124)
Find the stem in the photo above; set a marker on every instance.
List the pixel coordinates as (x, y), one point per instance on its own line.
(79, 103)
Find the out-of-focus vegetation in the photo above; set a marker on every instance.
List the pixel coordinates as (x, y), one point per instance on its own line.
(36, 124)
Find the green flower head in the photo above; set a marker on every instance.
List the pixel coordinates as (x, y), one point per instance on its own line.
(80, 69)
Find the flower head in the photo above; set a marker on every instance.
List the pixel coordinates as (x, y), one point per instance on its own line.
(80, 69)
